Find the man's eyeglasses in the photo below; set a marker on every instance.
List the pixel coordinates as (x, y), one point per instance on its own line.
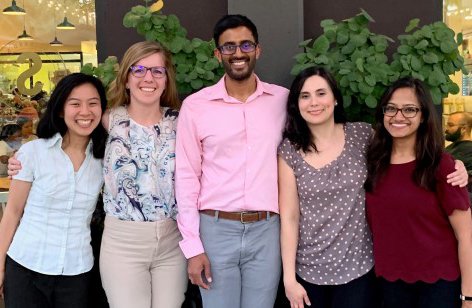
(407, 112)
(140, 71)
(229, 49)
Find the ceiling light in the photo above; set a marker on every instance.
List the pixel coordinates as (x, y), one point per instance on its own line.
(56, 42)
(14, 9)
(25, 36)
(65, 25)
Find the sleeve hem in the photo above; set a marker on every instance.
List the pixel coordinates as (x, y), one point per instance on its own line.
(191, 247)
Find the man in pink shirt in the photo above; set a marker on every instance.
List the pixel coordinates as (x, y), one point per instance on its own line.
(226, 176)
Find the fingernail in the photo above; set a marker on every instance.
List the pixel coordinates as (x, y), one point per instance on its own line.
(209, 279)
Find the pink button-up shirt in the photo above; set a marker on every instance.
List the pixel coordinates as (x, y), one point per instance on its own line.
(226, 155)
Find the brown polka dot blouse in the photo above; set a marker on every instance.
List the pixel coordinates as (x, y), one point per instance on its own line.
(335, 243)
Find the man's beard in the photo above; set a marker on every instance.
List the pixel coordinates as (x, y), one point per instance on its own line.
(239, 76)
(455, 136)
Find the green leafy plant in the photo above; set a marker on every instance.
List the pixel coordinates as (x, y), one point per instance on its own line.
(357, 58)
(106, 71)
(430, 53)
(194, 60)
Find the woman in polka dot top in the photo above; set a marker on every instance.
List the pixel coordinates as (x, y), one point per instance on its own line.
(326, 243)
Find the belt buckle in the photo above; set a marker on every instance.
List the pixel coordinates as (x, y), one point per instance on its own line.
(242, 215)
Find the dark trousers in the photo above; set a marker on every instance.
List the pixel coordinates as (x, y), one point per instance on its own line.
(441, 294)
(359, 293)
(28, 289)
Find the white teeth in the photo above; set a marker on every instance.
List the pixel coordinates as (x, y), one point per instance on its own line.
(148, 89)
(398, 124)
(84, 122)
(315, 112)
(239, 63)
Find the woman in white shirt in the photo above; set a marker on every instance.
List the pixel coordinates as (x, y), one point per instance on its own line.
(45, 258)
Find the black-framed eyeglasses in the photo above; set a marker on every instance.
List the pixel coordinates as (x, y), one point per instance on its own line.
(140, 71)
(407, 112)
(229, 49)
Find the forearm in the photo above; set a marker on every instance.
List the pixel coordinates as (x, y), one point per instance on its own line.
(10, 221)
(289, 244)
(465, 263)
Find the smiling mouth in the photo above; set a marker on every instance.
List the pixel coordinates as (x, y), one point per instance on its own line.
(399, 125)
(84, 123)
(238, 62)
(147, 89)
(315, 112)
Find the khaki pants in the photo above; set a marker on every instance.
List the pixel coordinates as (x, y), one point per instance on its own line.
(141, 264)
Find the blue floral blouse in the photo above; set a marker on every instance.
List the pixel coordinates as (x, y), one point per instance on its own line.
(139, 168)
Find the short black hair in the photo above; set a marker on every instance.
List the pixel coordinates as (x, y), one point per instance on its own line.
(9, 130)
(296, 129)
(53, 122)
(234, 21)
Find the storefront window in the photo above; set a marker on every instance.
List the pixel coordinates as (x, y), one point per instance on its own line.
(458, 16)
(53, 39)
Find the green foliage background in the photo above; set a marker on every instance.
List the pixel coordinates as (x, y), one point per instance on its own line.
(356, 56)
(194, 60)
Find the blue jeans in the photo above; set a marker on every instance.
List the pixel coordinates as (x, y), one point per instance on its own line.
(245, 262)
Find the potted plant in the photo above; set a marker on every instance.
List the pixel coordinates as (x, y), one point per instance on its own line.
(195, 63)
(357, 58)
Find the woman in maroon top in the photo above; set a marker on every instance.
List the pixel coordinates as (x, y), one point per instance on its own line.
(421, 226)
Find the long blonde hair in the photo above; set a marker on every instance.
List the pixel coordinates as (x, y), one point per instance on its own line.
(119, 95)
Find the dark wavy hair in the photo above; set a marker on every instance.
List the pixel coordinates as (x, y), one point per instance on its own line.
(234, 21)
(296, 129)
(429, 139)
(52, 121)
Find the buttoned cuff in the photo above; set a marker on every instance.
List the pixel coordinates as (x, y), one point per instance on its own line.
(191, 247)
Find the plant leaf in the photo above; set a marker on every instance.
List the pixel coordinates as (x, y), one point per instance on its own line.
(304, 43)
(321, 44)
(370, 101)
(430, 58)
(366, 15)
(415, 63)
(453, 88)
(342, 37)
(436, 95)
(413, 24)
(370, 80)
(448, 46)
(196, 84)
(460, 38)
(327, 22)
(422, 44)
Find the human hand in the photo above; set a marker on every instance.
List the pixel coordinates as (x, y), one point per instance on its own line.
(458, 177)
(14, 166)
(197, 265)
(466, 304)
(296, 294)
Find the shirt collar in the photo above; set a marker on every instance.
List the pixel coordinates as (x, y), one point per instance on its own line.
(218, 91)
(56, 141)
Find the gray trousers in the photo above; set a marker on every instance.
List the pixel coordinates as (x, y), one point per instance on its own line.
(245, 262)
